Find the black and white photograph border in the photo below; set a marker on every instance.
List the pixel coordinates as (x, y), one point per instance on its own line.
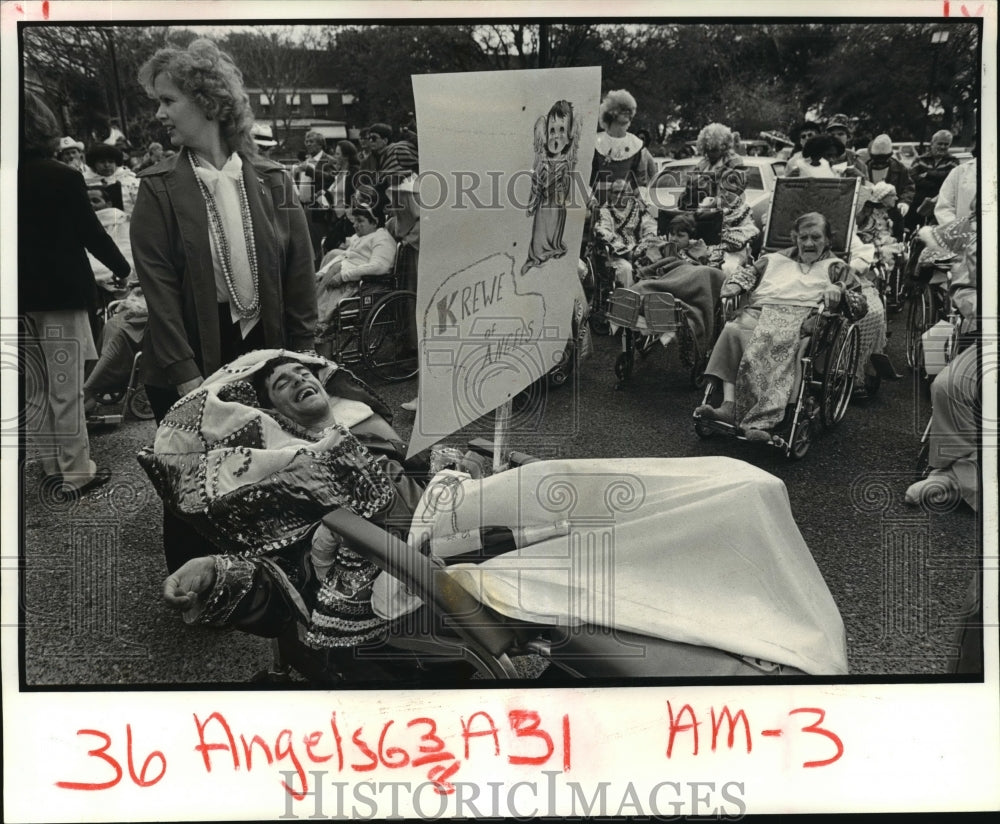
(84, 618)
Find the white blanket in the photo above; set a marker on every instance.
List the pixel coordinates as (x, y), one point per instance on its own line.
(697, 550)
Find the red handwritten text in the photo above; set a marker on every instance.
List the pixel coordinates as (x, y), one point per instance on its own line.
(418, 743)
(140, 779)
(683, 724)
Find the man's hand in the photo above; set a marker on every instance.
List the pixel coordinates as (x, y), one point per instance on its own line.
(182, 589)
(189, 386)
(730, 290)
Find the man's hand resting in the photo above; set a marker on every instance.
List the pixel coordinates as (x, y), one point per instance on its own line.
(195, 578)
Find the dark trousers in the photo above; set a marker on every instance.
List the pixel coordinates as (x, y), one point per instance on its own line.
(181, 541)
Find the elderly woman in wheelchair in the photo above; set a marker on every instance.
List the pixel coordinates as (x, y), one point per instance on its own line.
(756, 357)
(322, 527)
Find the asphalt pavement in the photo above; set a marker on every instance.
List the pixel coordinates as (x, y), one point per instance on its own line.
(93, 568)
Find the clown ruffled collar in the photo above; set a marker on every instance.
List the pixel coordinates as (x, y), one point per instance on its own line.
(618, 148)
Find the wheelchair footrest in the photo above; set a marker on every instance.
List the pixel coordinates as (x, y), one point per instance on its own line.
(623, 308)
(660, 312)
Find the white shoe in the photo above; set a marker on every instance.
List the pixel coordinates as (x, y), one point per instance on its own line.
(938, 490)
(409, 406)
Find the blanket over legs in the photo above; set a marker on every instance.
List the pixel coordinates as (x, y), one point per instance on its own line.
(697, 550)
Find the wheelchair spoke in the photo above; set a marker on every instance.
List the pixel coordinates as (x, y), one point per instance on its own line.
(388, 340)
(838, 380)
(138, 404)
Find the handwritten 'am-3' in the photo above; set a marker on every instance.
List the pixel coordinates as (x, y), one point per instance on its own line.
(718, 726)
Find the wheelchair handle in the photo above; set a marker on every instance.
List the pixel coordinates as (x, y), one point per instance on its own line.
(426, 577)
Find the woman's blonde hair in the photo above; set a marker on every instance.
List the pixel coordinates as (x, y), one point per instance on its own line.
(211, 79)
(715, 136)
(614, 102)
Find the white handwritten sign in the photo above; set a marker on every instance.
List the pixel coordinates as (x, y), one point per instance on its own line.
(505, 164)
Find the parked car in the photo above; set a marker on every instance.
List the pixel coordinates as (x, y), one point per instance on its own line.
(661, 162)
(761, 172)
(906, 153)
(756, 148)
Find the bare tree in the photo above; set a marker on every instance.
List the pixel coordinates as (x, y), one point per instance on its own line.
(277, 60)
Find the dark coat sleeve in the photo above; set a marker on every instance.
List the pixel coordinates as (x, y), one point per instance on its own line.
(904, 185)
(98, 242)
(56, 228)
(152, 242)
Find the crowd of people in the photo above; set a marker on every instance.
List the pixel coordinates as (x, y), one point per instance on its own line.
(216, 251)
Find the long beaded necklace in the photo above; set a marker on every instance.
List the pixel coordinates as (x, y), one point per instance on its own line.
(222, 244)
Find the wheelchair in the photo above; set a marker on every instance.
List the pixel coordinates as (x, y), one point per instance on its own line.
(827, 361)
(929, 303)
(376, 328)
(455, 630)
(455, 637)
(598, 278)
(129, 396)
(827, 357)
(646, 320)
(131, 400)
(890, 281)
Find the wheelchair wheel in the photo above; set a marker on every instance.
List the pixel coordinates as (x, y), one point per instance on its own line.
(138, 404)
(881, 281)
(387, 337)
(923, 467)
(598, 321)
(623, 367)
(897, 287)
(921, 316)
(801, 438)
(838, 377)
(702, 430)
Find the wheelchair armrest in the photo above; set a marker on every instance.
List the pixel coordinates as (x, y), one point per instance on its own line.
(485, 448)
(426, 577)
(376, 280)
(731, 304)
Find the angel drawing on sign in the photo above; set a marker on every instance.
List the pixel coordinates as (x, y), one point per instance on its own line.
(556, 141)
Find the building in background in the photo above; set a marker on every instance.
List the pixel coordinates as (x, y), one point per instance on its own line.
(293, 112)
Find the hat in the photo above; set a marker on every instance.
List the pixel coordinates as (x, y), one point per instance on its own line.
(69, 143)
(881, 145)
(410, 184)
(839, 121)
(102, 151)
(381, 129)
(880, 191)
(262, 135)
